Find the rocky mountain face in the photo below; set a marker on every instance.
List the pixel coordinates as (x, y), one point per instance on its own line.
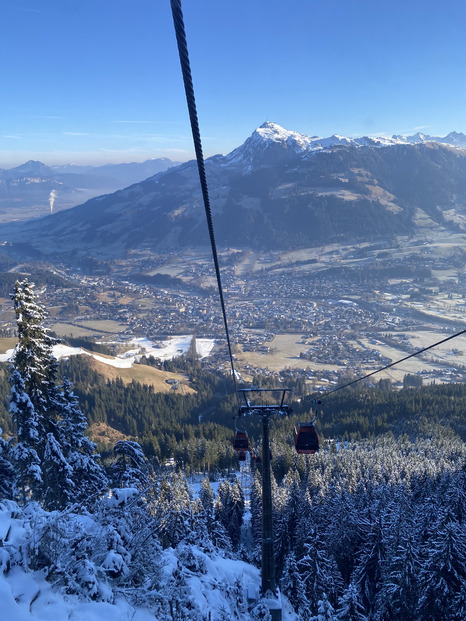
(280, 189)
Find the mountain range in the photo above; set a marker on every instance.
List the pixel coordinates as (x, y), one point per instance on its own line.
(280, 189)
(34, 189)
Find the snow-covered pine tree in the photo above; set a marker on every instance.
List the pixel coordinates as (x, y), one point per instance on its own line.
(292, 586)
(325, 611)
(344, 533)
(130, 467)
(399, 593)
(260, 612)
(33, 362)
(87, 475)
(33, 357)
(57, 473)
(398, 596)
(229, 509)
(25, 457)
(368, 570)
(319, 569)
(236, 512)
(295, 505)
(7, 473)
(443, 573)
(206, 495)
(256, 510)
(350, 607)
(172, 508)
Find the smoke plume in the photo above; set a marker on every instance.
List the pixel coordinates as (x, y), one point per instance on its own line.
(52, 197)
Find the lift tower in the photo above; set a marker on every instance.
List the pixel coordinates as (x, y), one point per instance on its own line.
(265, 410)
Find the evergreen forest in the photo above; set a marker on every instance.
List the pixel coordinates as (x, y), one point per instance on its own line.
(371, 527)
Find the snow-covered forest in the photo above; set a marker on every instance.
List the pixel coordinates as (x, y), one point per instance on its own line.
(370, 529)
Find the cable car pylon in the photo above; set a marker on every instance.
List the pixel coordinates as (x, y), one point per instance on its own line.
(269, 588)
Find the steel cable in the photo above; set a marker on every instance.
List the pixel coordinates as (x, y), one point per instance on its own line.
(178, 22)
(392, 364)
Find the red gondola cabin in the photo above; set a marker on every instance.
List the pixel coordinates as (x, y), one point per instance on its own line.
(242, 455)
(306, 440)
(241, 442)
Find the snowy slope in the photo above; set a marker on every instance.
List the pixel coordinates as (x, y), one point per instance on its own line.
(26, 595)
(168, 349)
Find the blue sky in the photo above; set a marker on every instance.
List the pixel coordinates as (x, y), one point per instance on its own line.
(96, 81)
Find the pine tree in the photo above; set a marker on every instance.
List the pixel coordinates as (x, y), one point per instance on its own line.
(325, 611)
(87, 475)
(7, 473)
(344, 533)
(28, 474)
(443, 573)
(260, 612)
(33, 357)
(206, 495)
(229, 509)
(34, 371)
(256, 517)
(399, 595)
(236, 512)
(319, 570)
(350, 608)
(368, 571)
(292, 586)
(130, 467)
(172, 508)
(57, 475)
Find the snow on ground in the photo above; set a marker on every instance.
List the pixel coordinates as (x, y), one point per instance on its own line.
(27, 596)
(6, 356)
(172, 347)
(169, 349)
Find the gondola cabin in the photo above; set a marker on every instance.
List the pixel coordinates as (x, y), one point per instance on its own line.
(241, 442)
(306, 440)
(242, 455)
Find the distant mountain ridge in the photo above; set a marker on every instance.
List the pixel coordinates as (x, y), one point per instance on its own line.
(279, 189)
(270, 134)
(454, 139)
(25, 190)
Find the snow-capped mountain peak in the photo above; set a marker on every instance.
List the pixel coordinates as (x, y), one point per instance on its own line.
(455, 139)
(272, 132)
(271, 143)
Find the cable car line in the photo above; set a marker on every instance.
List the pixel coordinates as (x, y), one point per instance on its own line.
(178, 22)
(392, 364)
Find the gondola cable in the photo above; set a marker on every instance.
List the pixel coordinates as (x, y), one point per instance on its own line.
(392, 364)
(178, 22)
(306, 438)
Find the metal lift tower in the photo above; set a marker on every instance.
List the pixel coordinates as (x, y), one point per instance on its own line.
(269, 590)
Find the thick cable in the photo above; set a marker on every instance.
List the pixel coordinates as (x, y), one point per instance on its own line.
(420, 351)
(190, 99)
